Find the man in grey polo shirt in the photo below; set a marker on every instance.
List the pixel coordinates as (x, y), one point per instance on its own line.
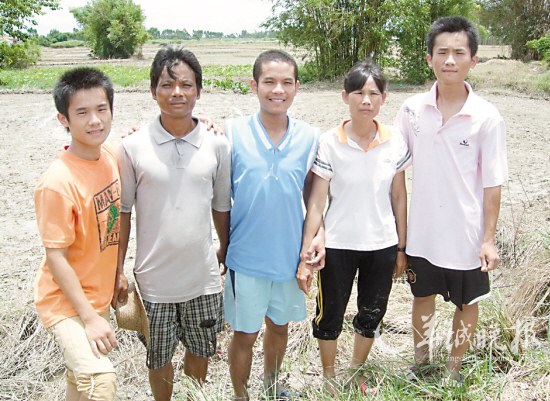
(177, 174)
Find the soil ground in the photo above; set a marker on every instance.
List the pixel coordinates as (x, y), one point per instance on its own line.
(31, 137)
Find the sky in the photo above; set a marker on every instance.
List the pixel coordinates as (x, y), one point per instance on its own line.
(227, 16)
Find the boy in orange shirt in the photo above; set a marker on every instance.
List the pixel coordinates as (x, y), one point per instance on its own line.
(77, 203)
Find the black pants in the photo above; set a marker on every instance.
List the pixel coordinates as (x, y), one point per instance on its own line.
(335, 283)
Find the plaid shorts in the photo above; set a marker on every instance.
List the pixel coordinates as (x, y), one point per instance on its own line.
(195, 323)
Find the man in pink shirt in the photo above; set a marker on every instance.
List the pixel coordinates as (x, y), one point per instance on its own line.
(458, 145)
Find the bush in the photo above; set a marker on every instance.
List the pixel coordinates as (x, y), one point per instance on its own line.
(18, 55)
(541, 46)
(112, 28)
(68, 43)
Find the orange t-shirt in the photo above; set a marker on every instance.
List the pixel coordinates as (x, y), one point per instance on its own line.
(77, 206)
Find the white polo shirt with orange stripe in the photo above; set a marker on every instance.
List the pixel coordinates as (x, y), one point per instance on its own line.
(452, 164)
(359, 215)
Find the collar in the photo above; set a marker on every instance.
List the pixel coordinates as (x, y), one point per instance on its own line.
(383, 134)
(469, 107)
(162, 136)
(264, 137)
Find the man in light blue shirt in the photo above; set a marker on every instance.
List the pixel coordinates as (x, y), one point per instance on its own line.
(271, 157)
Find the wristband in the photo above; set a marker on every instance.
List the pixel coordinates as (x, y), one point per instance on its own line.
(401, 249)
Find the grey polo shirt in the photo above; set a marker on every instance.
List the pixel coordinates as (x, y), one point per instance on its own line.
(174, 184)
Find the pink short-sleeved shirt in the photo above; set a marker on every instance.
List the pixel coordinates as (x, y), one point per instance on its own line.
(452, 164)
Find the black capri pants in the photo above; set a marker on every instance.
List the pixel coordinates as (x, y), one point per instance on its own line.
(335, 282)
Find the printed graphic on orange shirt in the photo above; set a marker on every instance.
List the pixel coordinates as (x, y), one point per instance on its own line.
(107, 206)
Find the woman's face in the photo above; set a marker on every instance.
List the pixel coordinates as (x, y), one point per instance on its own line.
(365, 102)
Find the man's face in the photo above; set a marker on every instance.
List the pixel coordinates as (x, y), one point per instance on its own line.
(451, 60)
(89, 120)
(176, 97)
(276, 87)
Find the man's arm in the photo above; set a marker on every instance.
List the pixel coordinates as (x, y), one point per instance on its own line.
(312, 229)
(491, 208)
(221, 224)
(99, 332)
(316, 250)
(121, 281)
(399, 206)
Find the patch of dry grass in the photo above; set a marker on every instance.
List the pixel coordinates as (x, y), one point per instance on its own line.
(513, 76)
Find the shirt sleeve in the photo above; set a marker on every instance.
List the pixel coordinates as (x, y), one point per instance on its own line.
(493, 155)
(56, 216)
(127, 178)
(402, 155)
(403, 126)
(221, 200)
(322, 165)
(313, 151)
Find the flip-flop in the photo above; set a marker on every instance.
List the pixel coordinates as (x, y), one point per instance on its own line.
(330, 387)
(281, 394)
(452, 381)
(410, 373)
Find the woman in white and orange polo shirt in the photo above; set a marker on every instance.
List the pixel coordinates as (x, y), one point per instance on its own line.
(359, 166)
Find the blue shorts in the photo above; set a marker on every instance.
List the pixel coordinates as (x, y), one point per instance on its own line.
(247, 300)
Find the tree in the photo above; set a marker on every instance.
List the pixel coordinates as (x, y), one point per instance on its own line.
(410, 25)
(197, 34)
(517, 22)
(154, 33)
(112, 28)
(17, 18)
(337, 33)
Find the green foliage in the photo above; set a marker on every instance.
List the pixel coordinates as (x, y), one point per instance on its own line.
(18, 16)
(68, 43)
(228, 77)
(154, 33)
(516, 22)
(18, 55)
(411, 23)
(541, 46)
(231, 77)
(308, 72)
(180, 34)
(227, 84)
(112, 28)
(54, 36)
(336, 33)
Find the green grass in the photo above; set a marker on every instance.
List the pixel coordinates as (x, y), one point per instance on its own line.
(232, 77)
(543, 82)
(68, 43)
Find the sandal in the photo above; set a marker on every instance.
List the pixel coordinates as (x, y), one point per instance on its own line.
(330, 387)
(449, 381)
(280, 393)
(366, 390)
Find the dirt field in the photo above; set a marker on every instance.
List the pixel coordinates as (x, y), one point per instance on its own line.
(208, 51)
(31, 138)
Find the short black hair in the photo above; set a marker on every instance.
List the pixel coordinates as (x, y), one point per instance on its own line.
(77, 79)
(358, 75)
(273, 55)
(169, 56)
(453, 24)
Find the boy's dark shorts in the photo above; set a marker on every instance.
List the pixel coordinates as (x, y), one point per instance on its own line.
(461, 287)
